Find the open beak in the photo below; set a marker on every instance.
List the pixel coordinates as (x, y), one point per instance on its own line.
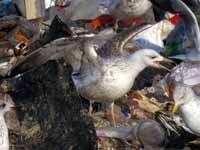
(163, 67)
(164, 60)
(175, 108)
(158, 65)
(168, 61)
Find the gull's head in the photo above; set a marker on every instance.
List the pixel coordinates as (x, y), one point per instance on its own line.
(6, 104)
(152, 58)
(182, 94)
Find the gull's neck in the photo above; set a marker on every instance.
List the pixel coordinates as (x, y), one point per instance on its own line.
(137, 69)
(138, 64)
(189, 108)
(4, 140)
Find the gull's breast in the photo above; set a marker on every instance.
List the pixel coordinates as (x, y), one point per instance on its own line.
(106, 86)
(190, 113)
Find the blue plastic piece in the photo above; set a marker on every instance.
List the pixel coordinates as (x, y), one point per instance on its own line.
(126, 114)
(12, 39)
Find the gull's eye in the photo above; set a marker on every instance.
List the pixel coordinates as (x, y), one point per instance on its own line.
(153, 57)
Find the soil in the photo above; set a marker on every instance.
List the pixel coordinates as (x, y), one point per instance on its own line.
(48, 111)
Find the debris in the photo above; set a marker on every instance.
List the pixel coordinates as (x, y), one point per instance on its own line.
(148, 105)
(110, 45)
(140, 134)
(33, 9)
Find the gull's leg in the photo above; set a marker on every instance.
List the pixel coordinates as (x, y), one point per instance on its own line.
(112, 113)
(90, 108)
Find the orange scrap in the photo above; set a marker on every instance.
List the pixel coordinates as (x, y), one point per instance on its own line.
(21, 38)
(136, 95)
(102, 20)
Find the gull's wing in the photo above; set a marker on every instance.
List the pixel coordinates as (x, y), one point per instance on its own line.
(191, 56)
(70, 50)
(117, 44)
(187, 73)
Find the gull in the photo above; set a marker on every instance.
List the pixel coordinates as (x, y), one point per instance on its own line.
(188, 104)
(5, 106)
(100, 73)
(113, 71)
(186, 73)
(78, 9)
(131, 8)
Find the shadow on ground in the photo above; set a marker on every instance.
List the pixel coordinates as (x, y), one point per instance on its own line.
(48, 114)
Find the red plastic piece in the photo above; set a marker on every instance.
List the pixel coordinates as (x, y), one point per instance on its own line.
(102, 20)
(175, 20)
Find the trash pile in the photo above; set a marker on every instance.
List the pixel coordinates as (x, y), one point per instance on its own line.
(135, 64)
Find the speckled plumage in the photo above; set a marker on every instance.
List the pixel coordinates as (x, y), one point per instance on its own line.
(187, 73)
(131, 8)
(109, 81)
(101, 72)
(109, 72)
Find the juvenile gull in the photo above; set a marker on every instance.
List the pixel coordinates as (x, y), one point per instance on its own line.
(109, 72)
(100, 73)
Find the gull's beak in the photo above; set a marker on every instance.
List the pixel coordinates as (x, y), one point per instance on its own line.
(169, 61)
(163, 67)
(175, 108)
(164, 60)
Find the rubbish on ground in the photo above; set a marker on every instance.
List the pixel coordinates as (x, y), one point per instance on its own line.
(110, 44)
